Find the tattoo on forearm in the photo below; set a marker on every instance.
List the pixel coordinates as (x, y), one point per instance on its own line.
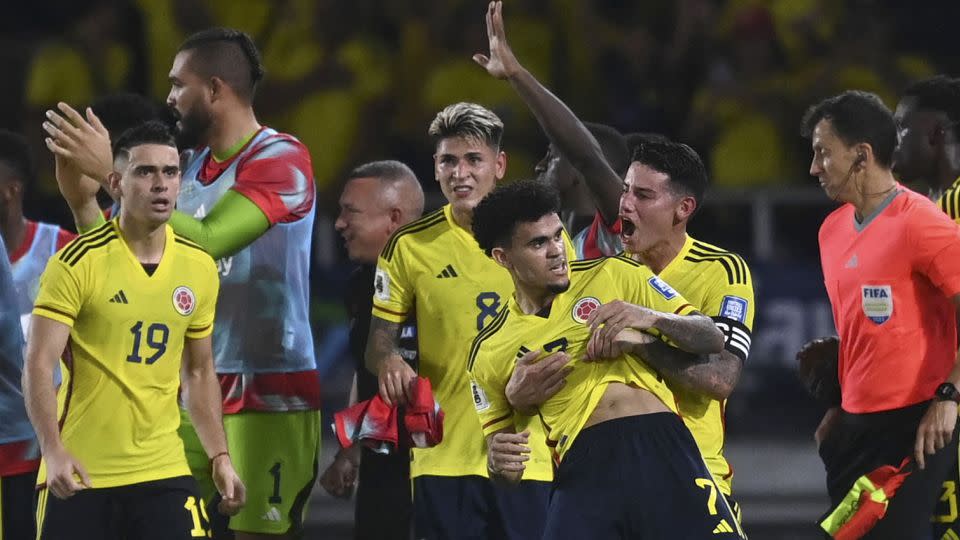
(381, 343)
(712, 374)
(689, 333)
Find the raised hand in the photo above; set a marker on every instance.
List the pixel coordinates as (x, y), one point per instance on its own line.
(83, 141)
(501, 63)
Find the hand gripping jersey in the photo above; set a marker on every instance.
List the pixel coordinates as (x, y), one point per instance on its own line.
(263, 344)
(118, 412)
(435, 265)
(718, 284)
(513, 333)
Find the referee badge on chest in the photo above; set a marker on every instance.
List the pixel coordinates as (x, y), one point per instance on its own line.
(877, 302)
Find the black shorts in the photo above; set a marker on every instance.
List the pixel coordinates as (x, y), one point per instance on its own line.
(859, 443)
(16, 506)
(384, 508)
(946, 514)
(474, 508)
(168, 509)
(637, 477)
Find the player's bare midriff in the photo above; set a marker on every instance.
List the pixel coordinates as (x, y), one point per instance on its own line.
(620, 400)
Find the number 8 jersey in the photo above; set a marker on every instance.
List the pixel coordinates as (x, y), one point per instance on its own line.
(118, 413)
(437, 267)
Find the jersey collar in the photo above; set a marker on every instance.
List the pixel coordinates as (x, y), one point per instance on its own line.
(167, 249)
(687, 245)
(464, 235)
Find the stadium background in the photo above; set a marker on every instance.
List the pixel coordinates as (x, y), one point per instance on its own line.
(360, 80)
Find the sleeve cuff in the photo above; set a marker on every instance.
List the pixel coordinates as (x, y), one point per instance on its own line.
(389, 314)
(54, 314)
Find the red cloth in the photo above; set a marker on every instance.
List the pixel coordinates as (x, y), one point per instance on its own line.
(869, 511)
(375, 424)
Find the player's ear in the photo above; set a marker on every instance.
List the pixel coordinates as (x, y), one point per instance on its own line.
(217, 88)
(501, 164)
(500, 256)
(686, 208)
(113, 183)
(396, 219)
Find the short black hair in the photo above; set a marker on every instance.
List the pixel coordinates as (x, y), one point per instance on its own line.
(15, 153)
(681, 164)
(941, 94)
(613, 145)
(387, 169)
(496, 217)
(856, 117)
(124, 110)
(228, 54)
(152, 132)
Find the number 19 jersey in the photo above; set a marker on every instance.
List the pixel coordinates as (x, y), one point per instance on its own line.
(436, 268)
(118, 412)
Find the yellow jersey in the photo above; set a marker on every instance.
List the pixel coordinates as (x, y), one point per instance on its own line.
(718, 284)
(434, 268)
(949, 202)
(118, 412)
(592, 283)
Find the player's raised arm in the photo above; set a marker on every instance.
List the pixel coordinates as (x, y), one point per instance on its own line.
(47, 339)
(382, 358)
(561, 125)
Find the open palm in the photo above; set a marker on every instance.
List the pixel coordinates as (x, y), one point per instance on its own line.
(501, 63)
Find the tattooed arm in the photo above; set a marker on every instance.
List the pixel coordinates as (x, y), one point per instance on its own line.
(713, 375)
(382, 358)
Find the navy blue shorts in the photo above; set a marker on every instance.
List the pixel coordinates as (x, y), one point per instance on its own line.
(637, 477)
(474, 508)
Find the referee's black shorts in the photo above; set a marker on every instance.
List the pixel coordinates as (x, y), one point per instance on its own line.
(637, 477)
(859, 443)
(168, 509)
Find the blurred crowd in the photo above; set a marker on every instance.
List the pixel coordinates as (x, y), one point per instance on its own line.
(359, 80)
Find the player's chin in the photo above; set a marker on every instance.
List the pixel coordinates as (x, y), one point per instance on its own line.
(558, 286)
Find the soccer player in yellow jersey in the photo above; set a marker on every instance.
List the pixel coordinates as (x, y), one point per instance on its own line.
(716, 281)
(435, 268)
(928, 150)
(119, 306)
(613, 427)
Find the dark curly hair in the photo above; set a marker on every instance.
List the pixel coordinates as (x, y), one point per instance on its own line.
(940, 93)
(496, 217)
(152, 132)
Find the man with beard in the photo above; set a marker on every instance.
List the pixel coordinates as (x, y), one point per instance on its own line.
(378, 198)
(663, 190)
(248, 199)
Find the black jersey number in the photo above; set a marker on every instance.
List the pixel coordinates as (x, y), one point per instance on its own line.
(488, 303)
(557, 345)
(156, 336)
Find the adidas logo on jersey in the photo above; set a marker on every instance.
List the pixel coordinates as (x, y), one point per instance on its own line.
(723, 527)
(119, 298)
(272, 515)
(447, 272)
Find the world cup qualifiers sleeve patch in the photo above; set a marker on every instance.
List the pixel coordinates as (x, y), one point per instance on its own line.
(381, 285)
(661, 287)
(734, 307)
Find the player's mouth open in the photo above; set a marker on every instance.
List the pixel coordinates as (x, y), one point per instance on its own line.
(160, 204)
(462, 190)
(627, 228)
(559, 269)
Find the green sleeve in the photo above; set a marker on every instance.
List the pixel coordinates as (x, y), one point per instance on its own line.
(232, 224)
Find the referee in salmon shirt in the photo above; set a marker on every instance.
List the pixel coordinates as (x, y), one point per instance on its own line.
(891, 266)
